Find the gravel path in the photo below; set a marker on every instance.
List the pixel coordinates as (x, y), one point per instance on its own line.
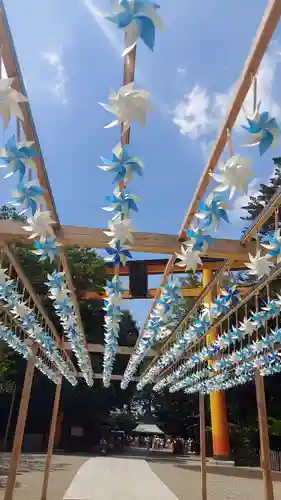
(184, 482)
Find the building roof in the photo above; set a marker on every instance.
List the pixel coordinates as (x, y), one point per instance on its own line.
(147, 429)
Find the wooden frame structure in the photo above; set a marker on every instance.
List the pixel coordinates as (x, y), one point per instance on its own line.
(227, 253)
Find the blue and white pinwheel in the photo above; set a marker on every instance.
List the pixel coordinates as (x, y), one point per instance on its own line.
(263, 130)
(232, 294)
(18, 156)
(122, 164)
(56, 280)
(199, 239)
(139, 19)
(272, 243)
(46, 249)
(118, 255)
(121, 201)
(30, 195)
(212, 211)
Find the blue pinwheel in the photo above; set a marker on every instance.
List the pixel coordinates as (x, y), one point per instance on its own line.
(46, 249)
(277, 335)
(272, 243)
(71, 333)
(232, 294)
(199, 239)
(6, 289)
(55, 280)
(212, 211)
(118, 255)
(45, 340)
(123, 165)
(263, 130)
(260, 318)
(272, 308)
(122, 201)
(28, 320)
(220, 305)
(18, 156)
(138, 18)
(29, 195)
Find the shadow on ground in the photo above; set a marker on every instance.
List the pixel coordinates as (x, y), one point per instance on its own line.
(28, 463)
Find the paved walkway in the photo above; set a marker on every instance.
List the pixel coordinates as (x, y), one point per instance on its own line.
(106, 478)
(182, 478)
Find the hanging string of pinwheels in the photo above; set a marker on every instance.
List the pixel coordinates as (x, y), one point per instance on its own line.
(19, 157)
(138, 19)
(231, 177)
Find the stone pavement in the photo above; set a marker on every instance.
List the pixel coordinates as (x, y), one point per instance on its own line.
(182, 477)
(107, 478)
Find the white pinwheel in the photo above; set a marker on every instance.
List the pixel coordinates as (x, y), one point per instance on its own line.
(40, 224)
(35, 331)
(120, 230)
(234, 175)
(10, 100)
(163, 333)
(4, 277)
(114, 299)
(20, 310)
(247, 327)
(127, 105)
(59, 294)
(189, 259)
(259, 265)
(112, 323)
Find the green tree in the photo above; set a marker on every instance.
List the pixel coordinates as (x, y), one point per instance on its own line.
(266, 191)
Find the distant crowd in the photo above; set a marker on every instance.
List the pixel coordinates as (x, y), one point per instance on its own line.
(178, 445)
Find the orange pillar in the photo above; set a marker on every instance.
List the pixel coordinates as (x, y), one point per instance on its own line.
(220, 433)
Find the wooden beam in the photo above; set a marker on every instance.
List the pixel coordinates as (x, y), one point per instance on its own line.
(185, 292)
(36, 300)
(122, 350)
(259, 46)
(203, 447)
(98, 376)
(158, 267)
(51, 442)
(263, 217)
(19, 432)
(142, 242)
(264, 438)
(12, 68)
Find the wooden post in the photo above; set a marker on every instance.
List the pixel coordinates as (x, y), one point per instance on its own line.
(203, 447)
(51, 443)
(264, 439)
(25, 396)
(9, 418)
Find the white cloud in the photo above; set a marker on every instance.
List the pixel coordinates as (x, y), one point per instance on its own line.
(201, 113)
(192, 114)
(181, 71)
(58, 86)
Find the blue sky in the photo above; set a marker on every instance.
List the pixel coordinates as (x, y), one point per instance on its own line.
(70, 59)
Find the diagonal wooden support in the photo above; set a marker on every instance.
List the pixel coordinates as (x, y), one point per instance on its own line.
(37, 302)
(13, 70)
(17, 445)
(264, 34)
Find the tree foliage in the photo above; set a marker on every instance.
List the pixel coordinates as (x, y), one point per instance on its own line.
(266, 191)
